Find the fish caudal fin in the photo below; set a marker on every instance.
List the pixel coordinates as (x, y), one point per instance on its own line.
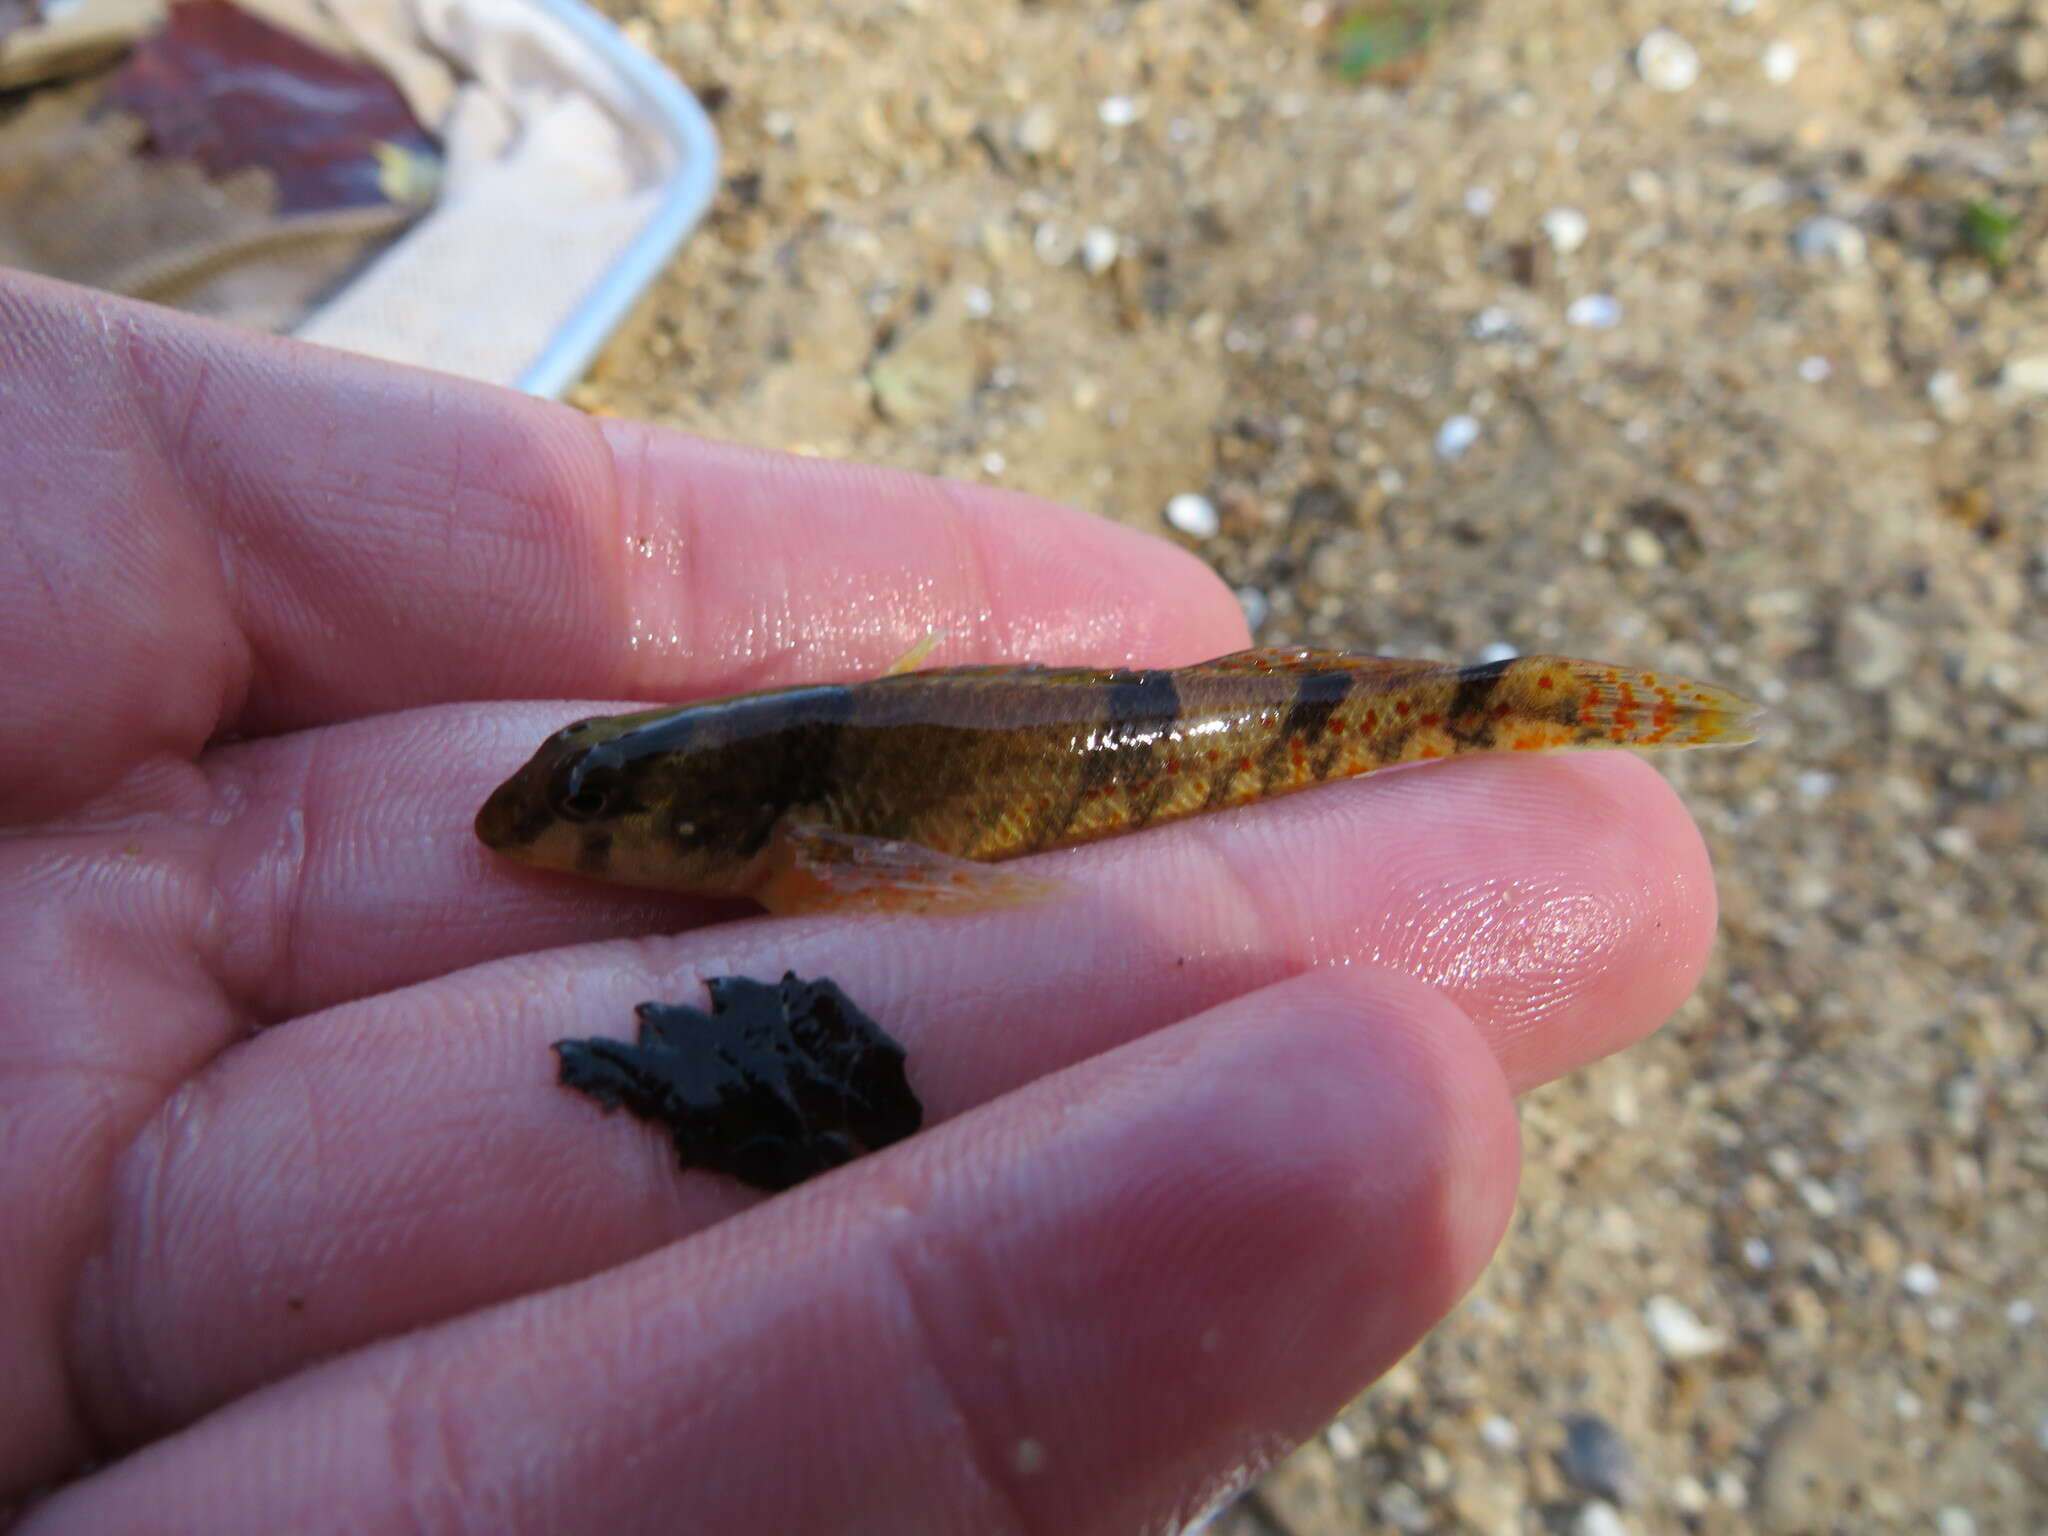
(1646, 709)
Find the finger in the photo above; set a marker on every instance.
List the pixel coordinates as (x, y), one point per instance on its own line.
(1565, 904)
(1080, 1308)
(208, 531)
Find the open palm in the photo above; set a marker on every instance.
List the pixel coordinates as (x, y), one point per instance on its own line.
(300, 1234)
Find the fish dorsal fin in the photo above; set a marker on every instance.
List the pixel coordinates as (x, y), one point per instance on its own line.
(1286, 659)
(915, 657)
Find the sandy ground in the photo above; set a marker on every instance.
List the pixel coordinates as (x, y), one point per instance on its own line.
(1553, 345)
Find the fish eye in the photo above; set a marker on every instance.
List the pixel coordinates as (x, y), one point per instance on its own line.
(589, 796)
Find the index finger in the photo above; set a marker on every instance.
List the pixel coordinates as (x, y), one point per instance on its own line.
(208, 532)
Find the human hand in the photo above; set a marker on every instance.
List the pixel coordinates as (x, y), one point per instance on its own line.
(298, 1223)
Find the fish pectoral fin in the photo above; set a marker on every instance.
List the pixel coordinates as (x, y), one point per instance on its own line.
(819, 869)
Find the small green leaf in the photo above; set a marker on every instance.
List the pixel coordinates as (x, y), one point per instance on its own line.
(1988, 231)
(1384, 35)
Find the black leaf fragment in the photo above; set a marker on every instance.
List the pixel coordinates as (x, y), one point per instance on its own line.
(776, 1084)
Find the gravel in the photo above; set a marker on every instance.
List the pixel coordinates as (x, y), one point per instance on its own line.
(1746, 480)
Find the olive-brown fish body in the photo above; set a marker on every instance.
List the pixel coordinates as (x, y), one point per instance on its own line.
(893, 790)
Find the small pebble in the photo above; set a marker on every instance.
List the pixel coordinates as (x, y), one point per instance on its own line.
(978, 301)
(1433, 1467)
(1597, 1460)
(1954, 1520)
(1456, 436)
(1053, 242)
(1819, 1198)
(1756, 1253)
(1642, 548)
(1815, 784)
(1491, 323)
(1945, 391)
(1480, 201)
(1566, 229)
(1343, 1441)
(1037, 131)
(1956, 842)
(1677, 1330)
(2019, 1313)
(1599, 1519)
(1781, 62)
(1401, 1507)
(1815, 369)
(1689, 1496)
(1666, 61)
(1827, 238)
(2025, 375)
(1876, 36)
(1498, 1433)
(1099, 248)
(1594, 312)
(1919, 1278)
(1874, 652)
(1499, 650)
(1194, 515)
(1119, 111)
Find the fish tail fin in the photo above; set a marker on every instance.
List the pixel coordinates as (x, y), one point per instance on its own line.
(1655, 709)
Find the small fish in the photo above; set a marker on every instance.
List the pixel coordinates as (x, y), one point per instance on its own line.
(905, 791)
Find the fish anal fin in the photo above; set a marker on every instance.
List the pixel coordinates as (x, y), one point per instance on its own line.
(820, 869)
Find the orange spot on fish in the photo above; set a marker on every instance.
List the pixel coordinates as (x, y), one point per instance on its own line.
(1401, 708)
(1428, 752)
(1544, 681)
(1432, 720)
(1372, 719)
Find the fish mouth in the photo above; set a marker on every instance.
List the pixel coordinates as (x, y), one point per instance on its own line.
(516, 815)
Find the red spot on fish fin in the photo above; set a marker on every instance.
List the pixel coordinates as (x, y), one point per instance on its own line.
(818, 869)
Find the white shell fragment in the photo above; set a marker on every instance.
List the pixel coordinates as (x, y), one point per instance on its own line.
(1456, 436)
(1566, 229)
(1666, 61)
(1193, 515)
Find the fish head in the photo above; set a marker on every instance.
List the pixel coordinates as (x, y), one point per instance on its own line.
(630, 799)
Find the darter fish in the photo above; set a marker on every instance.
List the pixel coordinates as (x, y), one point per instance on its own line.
(908, 790)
